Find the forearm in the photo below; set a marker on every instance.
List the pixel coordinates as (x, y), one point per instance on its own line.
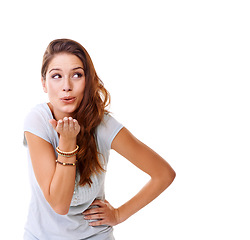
(161, 173)
(63, 181)
(147, 194)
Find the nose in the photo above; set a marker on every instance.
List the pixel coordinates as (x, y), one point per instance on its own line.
(67, 89)
(67, 86)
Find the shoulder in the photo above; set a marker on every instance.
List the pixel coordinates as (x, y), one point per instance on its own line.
(108, 129)
(38, 112)
(37, 121)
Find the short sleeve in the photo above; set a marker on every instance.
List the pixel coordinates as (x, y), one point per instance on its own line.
(36, 123)
(107, 131)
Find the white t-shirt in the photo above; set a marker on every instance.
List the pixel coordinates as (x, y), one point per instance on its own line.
(43, 222)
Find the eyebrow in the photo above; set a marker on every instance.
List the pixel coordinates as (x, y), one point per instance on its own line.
(58, 69)
(78, 68)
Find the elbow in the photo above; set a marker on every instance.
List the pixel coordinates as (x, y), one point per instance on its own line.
(172, 176)
(61, 210)
(167, 177)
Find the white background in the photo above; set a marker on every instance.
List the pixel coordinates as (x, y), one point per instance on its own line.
(178, 74)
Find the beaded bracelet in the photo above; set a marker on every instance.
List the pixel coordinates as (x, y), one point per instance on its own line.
(68, 154)
(66, 164)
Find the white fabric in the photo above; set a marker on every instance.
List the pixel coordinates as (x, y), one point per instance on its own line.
(43, 222)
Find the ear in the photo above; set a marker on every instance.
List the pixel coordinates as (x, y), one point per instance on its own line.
(44, 85)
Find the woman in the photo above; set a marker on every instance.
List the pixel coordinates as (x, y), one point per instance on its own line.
(68, 141)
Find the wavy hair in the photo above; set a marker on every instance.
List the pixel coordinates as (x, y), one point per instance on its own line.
(91, 110)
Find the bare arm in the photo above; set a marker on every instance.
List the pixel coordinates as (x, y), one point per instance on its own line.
(56, 181)
(149, 162)
(161, 173)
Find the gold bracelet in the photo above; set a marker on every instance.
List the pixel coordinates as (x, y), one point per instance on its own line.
(66, 164)
(65, 155)
(68, 154)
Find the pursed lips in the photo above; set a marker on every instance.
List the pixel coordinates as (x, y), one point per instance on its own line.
(68, 99)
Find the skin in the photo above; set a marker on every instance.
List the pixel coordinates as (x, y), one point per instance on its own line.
(65, 75)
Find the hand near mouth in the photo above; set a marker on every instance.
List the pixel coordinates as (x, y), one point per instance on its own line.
(66, 127)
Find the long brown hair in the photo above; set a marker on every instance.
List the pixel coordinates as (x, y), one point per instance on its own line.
(91, 110)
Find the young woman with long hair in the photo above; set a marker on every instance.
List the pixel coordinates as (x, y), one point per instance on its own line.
(69, 140)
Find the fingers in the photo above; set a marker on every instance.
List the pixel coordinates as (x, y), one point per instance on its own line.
(102, 214)
(53, 122)
(95, 216)
(95, 210)
(67, 125)
(59, 126)
(76, 125)
(98, 223)
(71, 124)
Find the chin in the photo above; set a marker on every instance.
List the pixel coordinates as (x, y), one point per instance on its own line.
(63, 110)
(69, 109)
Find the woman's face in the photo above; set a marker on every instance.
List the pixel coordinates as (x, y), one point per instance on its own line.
(64, 83)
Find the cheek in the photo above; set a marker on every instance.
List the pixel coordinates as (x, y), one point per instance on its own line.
(52, 90)
(81, 88)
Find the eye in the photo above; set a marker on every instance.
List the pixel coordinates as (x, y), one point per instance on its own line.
(77, 75)
(56, 76)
